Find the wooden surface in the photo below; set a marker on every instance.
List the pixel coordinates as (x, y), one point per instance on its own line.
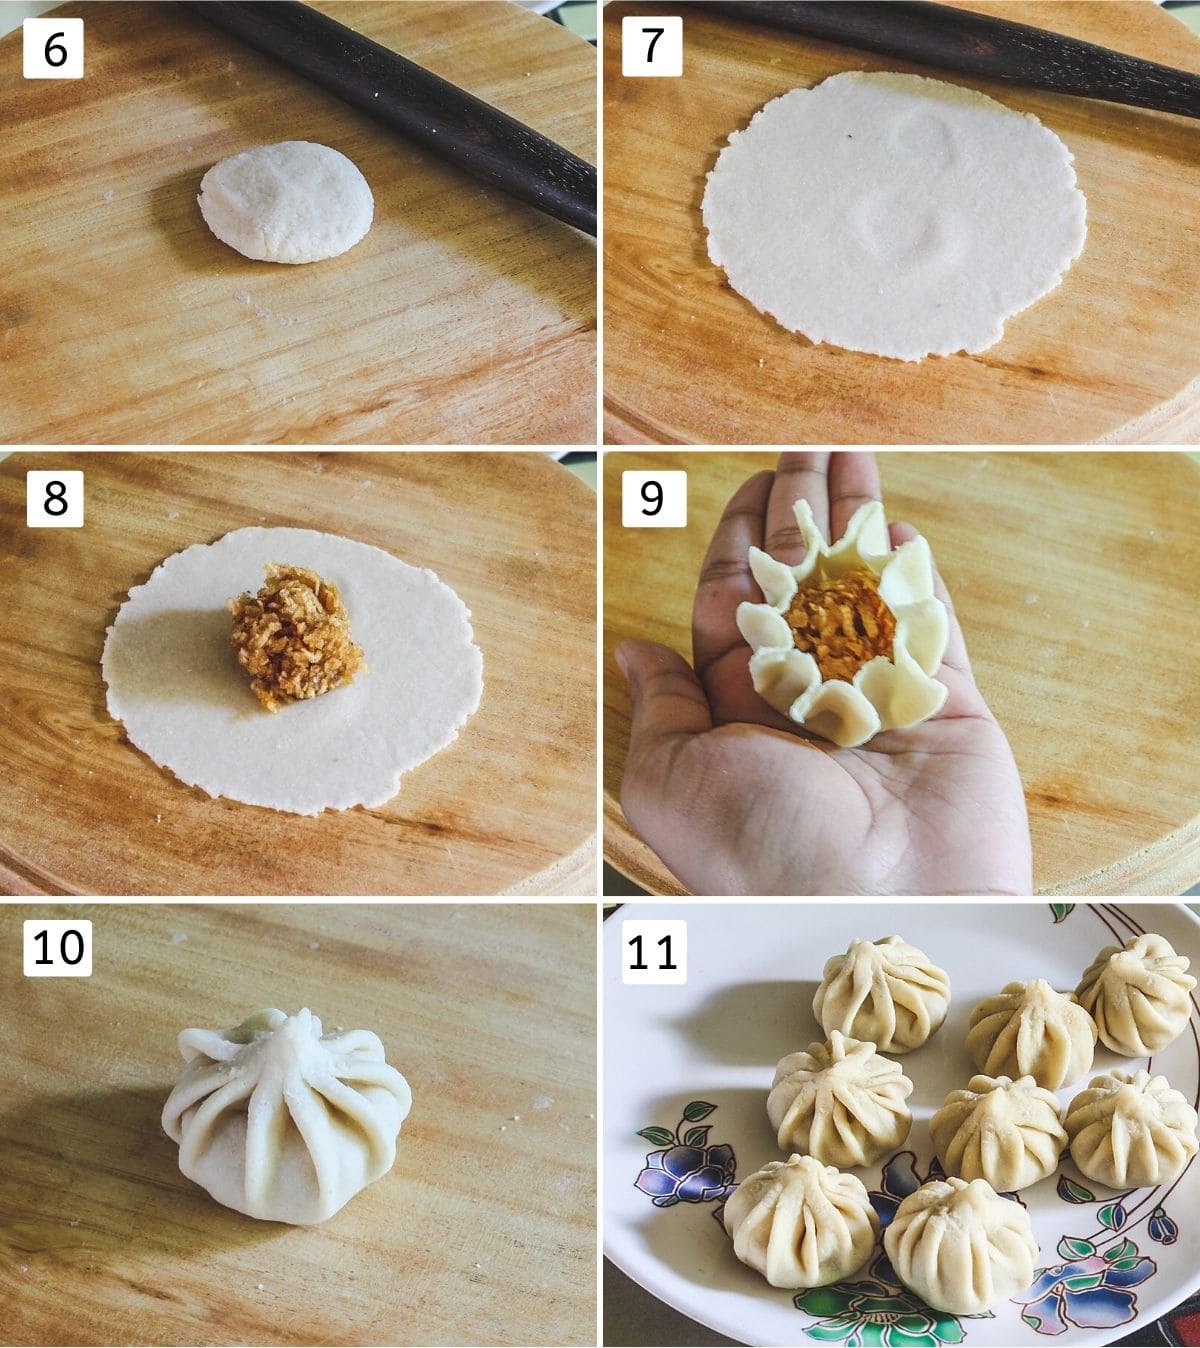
(463, 317)
(1074, 577)
(483, 1232)
(510, 806)
(1109, 356)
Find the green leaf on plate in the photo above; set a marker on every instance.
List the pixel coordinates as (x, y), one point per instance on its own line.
(1075, 1247)
(659, 1136)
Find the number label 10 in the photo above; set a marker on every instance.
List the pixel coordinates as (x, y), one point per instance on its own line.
(654, 952)
(654, 500)
(652, 45)
(58, 948)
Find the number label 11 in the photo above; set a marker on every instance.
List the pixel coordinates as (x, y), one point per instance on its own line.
(654, 952)
(58, 948)
(654, 499)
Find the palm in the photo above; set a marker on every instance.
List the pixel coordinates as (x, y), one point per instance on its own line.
(937, 808)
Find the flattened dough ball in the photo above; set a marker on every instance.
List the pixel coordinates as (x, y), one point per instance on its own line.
(176, 685)
(893, 214)
(289, 202)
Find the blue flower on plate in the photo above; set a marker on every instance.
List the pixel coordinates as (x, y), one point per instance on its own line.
(687, 1169)
(1162, 1228)
(1089, 1290)
(900, 1178)
(690, 1174)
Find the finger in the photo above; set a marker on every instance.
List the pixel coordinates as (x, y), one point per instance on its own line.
(956, 647)
(732, 697)
(668, 699)
(725, 579)
(853, 481)
(798, 474)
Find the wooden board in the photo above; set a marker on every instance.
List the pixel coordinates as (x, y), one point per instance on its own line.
(1109, 356)
(1074, 579)
(484, 1231)
(510, 806)
(463, 317)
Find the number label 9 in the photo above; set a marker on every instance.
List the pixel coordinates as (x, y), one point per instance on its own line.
(654, 951)
(652, 45)
(58, 948)
(654, 499)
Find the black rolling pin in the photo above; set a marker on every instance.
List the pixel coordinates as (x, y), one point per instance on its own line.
(997, 49)
(409, 99)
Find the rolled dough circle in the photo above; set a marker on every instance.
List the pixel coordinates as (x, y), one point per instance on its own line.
(289, 202)
(174, 681)
(893, 214)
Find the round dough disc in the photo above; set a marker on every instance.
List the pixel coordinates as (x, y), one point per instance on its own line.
(289, 202)
(175, 683)
(893, 214)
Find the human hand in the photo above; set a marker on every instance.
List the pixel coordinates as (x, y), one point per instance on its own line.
(737, 799)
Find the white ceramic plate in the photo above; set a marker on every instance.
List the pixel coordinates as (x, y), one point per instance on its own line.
(689, 1068)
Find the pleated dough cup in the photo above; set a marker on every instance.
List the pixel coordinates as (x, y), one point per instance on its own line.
(885, 693)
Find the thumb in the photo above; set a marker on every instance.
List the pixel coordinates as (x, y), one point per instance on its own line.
(668, 699)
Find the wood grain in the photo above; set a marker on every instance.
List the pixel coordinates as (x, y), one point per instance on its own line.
(1109, 356)
(1073, 576)
(510, 806)
(484, 1231)
(464, 317)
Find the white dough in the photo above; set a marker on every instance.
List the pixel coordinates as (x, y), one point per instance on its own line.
(175, 683)
(284, 1122)
(893, 214)
(289, 202)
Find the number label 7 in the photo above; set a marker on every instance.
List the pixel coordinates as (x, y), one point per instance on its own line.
(652, 45)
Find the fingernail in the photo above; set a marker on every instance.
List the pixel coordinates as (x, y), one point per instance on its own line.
(621, 655)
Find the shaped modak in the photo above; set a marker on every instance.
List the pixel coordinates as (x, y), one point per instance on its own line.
(840, 1102)
(961, 1246)
(1029, 1029)
(1138, 995)
(1131, 1129)
(886, 992)
(801, 1223)
(1007, 1132)
(283, 1122)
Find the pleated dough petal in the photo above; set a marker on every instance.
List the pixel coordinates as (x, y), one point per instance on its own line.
(837, 711)
(763, 627)
(900, 691)
(780, 677)
(922, 629)
(773, 578)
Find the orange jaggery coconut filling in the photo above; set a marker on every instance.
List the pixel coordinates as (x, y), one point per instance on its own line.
(293, 637)
(842, 623)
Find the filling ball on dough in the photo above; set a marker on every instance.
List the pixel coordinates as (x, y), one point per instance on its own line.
(293, 637)
(289, 202)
